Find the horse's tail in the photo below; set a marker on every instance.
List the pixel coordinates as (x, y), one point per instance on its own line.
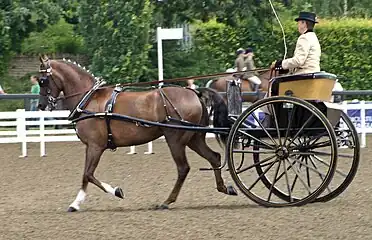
(213, 100)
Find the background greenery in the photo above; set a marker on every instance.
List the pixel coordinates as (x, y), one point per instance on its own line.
(119, 36)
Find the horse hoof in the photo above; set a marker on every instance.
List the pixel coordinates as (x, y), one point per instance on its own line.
(162, 207)
(72, 209)
(119, 193)
(231, 191)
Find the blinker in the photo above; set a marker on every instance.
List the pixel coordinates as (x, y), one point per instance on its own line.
(43, 81)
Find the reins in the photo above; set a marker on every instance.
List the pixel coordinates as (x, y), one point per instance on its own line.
(199, 77)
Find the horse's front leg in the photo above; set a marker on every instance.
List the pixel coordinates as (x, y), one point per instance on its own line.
(92, 157)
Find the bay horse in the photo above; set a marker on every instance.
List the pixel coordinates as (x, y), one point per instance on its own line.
(219, 85)
(97, 133)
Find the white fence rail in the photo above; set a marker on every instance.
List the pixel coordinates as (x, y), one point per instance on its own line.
(360, 113)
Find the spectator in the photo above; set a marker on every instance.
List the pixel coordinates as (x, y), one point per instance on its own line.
(35, 89)
(190, 84)
(2, 90)
(249, 64)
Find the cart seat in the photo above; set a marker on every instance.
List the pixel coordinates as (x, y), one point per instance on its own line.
(309, 86)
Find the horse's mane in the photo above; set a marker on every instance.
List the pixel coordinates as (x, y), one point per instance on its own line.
(80, 69)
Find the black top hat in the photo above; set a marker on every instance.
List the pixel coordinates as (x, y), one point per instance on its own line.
(307, 16)
(248, 50)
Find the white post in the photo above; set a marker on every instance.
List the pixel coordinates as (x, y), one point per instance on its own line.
(363, 123)
(132, 150)
(42, 135)
(21, 130)
(149, 148)
(165, 34)
(160, 55)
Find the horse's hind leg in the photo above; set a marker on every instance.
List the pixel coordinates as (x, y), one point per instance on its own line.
(92, 157)
(199, 145)
(178, 151)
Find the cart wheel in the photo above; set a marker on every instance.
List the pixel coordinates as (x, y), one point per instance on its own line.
(347, 162)
(282, 176)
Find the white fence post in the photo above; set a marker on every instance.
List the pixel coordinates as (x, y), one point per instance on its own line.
(132, 150)
(363, 123)
(21, 130)
(149, 148)
(42, 136)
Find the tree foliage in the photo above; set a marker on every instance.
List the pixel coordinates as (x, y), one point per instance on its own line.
(116, 34)
(56, 38)
(119, 36)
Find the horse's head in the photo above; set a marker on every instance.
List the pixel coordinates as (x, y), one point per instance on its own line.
(49, 88)
(62, 76)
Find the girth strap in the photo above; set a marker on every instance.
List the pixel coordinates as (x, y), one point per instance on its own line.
(109, 109)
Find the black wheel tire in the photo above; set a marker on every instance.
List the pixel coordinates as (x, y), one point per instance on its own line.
(354, 166)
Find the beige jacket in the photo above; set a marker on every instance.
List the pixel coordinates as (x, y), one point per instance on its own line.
(239, 63)
(306, 58)
(249, 64)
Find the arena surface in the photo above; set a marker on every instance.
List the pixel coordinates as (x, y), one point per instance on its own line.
(36, 192)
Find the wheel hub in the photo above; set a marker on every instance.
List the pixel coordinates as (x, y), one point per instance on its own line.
(282, 152)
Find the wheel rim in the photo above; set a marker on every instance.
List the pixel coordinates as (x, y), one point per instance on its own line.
(283, 160)
(348, 159)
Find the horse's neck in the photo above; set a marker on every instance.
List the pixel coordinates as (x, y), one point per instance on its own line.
(75, 91)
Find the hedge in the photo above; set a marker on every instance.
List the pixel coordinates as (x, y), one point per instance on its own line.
(346, 47)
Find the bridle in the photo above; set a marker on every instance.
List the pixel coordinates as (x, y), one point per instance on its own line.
(44, 82)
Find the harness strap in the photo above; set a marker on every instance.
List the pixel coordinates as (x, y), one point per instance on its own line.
(84, 101)
(109, 109)
(165, 98)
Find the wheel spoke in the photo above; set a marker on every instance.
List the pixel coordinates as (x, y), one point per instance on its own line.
(321, 153)
(319, 145)
(264, 129)
(308, 174)
(309, 167)
(283, 173)
(274, 181)
(308, 141)
(276, 125)
(256, 164)
(252, 151)
(266, 164)
(300, 130)
(256, 139)
(289, 124)
(262, 174)
(295, 179)
(286, 179)
(328, 165)
(299, 177)
(320, 175)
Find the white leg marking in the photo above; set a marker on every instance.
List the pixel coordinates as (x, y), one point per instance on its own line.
(108, 188)
(79, 199)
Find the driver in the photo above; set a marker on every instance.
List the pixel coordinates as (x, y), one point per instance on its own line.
(306, 58)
